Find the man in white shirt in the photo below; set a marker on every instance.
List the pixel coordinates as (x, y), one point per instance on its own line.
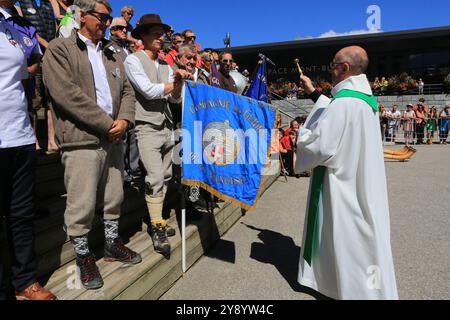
(17, 166)
(394, 116)
(92, 107)
(155, 83)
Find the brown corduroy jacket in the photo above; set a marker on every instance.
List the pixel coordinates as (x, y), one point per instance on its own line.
(68, 76)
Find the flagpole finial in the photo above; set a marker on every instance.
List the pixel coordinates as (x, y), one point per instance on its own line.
(260, 61)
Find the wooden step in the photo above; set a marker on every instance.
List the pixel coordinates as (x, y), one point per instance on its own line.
(155, 274)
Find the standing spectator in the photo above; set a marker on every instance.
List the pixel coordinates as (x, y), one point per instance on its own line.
(445, 123)
(32, 52)
(70, 21)
(207, 62)
(420, 85)
(120, 45)
(127, 12)
(43, 19)
(432, 116)
(17, 165)
(384, 84)
(383, 122)
(119, 38)
(92, 108)
(60, 8)
(155, 84)
(177, 41)
(190, 38)
(225, 80)
(167, 44)
(408, 124)
(420, 123)
(376, 86)
(393, 120)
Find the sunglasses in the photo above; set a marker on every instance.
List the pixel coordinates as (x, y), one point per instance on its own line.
(191, 38)
(104, 18)
(227, 61)
(179, 41)
(116, 28)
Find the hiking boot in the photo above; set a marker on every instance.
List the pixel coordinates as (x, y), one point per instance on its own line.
(159, 238)
(35, 292)
(170, 232)
(117, 251)
(89, 275)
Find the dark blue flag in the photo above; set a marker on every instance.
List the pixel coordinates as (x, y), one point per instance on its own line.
(258, 88)
(226, 142)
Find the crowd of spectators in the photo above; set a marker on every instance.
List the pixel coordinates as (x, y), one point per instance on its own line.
(420, 123)
(111, 106)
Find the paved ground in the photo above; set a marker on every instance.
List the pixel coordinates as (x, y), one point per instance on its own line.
(258, 257)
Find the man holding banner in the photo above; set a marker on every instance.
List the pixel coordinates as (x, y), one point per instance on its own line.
(346, 250)
(155, 84)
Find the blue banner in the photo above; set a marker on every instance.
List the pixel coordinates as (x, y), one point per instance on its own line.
(225, 141)
(258, 88)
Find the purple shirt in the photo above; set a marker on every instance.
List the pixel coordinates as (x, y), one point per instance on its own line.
(27, 32)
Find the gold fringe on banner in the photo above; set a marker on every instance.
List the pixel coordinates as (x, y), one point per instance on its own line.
(232, 200)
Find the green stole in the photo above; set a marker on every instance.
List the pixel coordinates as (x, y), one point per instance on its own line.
(312, 228)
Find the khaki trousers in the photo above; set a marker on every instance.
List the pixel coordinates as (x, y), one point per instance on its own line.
(155, 148)
(94, 180)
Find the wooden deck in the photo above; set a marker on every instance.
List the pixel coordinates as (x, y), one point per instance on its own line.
(147, 280)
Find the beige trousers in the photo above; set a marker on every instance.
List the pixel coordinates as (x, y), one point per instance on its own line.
(155, 149)
(94, 180)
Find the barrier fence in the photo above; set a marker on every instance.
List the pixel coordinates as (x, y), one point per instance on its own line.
(414, 131)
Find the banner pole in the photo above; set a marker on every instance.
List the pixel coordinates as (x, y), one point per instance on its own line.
(183, 200)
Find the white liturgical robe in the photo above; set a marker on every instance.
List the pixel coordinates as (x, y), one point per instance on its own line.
(346, 250)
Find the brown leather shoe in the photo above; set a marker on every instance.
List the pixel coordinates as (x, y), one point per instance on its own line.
(35, 292)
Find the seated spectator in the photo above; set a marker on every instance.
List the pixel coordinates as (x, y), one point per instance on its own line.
(293, 127)
(287, 151)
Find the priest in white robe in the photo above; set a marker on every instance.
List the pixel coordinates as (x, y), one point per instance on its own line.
(346, 251)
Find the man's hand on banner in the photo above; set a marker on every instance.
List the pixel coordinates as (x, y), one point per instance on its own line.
(117, 130)
(180, 75)
(306, 84)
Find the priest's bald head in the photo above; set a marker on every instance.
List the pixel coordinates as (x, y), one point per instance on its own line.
(349, 61)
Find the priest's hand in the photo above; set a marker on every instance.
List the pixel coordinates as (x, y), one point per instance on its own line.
(306, 84)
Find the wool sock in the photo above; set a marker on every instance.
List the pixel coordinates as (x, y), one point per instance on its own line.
(111, 230)
(80, 244)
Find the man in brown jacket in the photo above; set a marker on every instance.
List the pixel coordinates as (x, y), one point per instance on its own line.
(93, 105)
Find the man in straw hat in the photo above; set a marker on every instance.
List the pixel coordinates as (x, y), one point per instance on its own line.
(155, 84)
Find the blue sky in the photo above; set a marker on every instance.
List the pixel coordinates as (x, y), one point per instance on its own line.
(255, 22)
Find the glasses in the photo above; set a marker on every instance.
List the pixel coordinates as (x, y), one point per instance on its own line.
(227, 61)
(116, 28)
(179, 41)
(188, 57)
(335, 64)
(104, 18)
(191, 38)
